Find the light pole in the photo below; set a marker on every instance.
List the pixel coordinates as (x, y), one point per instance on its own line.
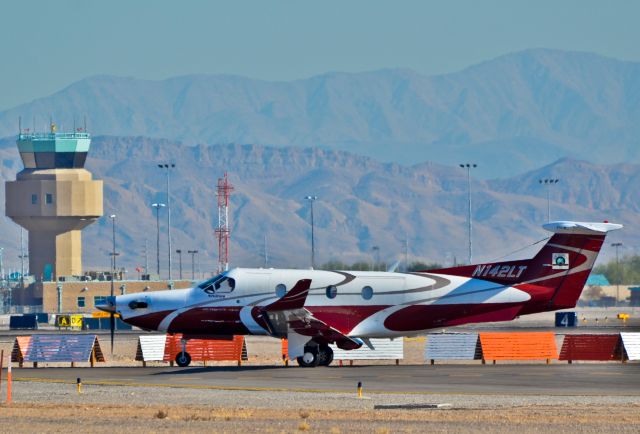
(157, 206)
(266, 252)
(469, 166)
(179, 252)
(548, 182)
(146, 258)
(193, 261)
(168, 166)
(113, 251)
(312, 199)
(22, 257)
(617, 246)
(376, 256)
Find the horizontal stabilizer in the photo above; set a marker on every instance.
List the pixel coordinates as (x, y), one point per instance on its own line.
(581, 228)
(294, 299)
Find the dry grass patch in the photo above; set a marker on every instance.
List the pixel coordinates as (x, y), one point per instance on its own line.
(24, 417)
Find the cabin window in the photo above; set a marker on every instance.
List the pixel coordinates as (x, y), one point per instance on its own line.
(81, 302)
(227, 284)
(367, 292)
(34, 199)
(208, 285)
(281, 290)
(332, 291)
(49, 198)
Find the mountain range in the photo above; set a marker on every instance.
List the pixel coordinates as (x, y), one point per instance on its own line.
(361, 203)
(509, 115)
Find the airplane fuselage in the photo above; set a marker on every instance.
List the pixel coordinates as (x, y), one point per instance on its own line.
(315, 308)
(357, 303)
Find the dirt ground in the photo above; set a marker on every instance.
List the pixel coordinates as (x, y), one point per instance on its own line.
(29, 417)
(39, 412)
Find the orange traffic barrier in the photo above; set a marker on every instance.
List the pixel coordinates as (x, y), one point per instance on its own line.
(518, 346)
(285, 351)
(204, 350)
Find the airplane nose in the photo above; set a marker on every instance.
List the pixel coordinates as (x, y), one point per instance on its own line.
(109, 305)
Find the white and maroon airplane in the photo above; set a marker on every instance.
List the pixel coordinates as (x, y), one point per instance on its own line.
(315, 308)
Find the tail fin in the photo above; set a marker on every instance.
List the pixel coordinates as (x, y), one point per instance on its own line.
(565, 262)
(556, 276)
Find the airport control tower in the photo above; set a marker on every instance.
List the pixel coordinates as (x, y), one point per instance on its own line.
(54, 198)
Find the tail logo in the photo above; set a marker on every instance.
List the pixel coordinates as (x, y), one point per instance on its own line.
(560, 261)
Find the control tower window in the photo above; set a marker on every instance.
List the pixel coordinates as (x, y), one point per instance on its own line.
(49, 198)
(34, 199)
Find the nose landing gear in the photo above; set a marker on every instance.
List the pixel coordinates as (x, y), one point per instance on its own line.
(183, 359)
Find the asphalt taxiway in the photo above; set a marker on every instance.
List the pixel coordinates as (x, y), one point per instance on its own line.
(515, 379)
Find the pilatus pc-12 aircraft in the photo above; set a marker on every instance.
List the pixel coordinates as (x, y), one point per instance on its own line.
(315, 308)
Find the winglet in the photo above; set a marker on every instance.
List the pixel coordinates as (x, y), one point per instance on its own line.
(294, 299)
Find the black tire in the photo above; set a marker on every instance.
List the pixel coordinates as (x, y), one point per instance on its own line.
(183, 359)
(309, 359)
(325, 355)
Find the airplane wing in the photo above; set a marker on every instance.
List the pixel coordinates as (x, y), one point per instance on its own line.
(302, 322)
(287, 316)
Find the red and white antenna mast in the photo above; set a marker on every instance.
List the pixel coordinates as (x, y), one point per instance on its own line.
(222, 231)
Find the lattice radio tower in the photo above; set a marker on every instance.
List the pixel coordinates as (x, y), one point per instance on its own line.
(222, 231)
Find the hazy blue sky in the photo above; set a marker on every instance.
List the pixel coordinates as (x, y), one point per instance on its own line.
(46, 45)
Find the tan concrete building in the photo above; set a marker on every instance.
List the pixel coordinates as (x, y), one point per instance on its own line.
(54, 198)
(81, 297)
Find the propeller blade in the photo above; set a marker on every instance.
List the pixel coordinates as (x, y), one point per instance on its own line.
(112, 321)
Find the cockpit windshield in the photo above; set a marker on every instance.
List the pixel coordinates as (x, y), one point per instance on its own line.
(219, 284)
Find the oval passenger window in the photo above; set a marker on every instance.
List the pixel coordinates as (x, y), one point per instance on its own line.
(281, 290)
(332, 291)
(367, 292)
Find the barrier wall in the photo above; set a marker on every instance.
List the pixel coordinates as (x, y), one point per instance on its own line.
(151, 348)
(591, 347)
(206, 349)
(57, 348)
(631, 343)
(384, 349)
(518, 346)
(20, 348)
(453, 346)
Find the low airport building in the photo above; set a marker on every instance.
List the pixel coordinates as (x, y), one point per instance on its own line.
(82, 296)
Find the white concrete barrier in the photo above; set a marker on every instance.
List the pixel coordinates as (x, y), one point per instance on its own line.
(151, 348)
(452, 346)
(631, 342)
(384, 349)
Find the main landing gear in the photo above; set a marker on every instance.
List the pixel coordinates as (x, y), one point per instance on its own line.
(316, 355)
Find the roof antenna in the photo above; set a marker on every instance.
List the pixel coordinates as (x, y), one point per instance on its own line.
(85, 123)
(19, 125)
(74, 125)
(34, 124)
